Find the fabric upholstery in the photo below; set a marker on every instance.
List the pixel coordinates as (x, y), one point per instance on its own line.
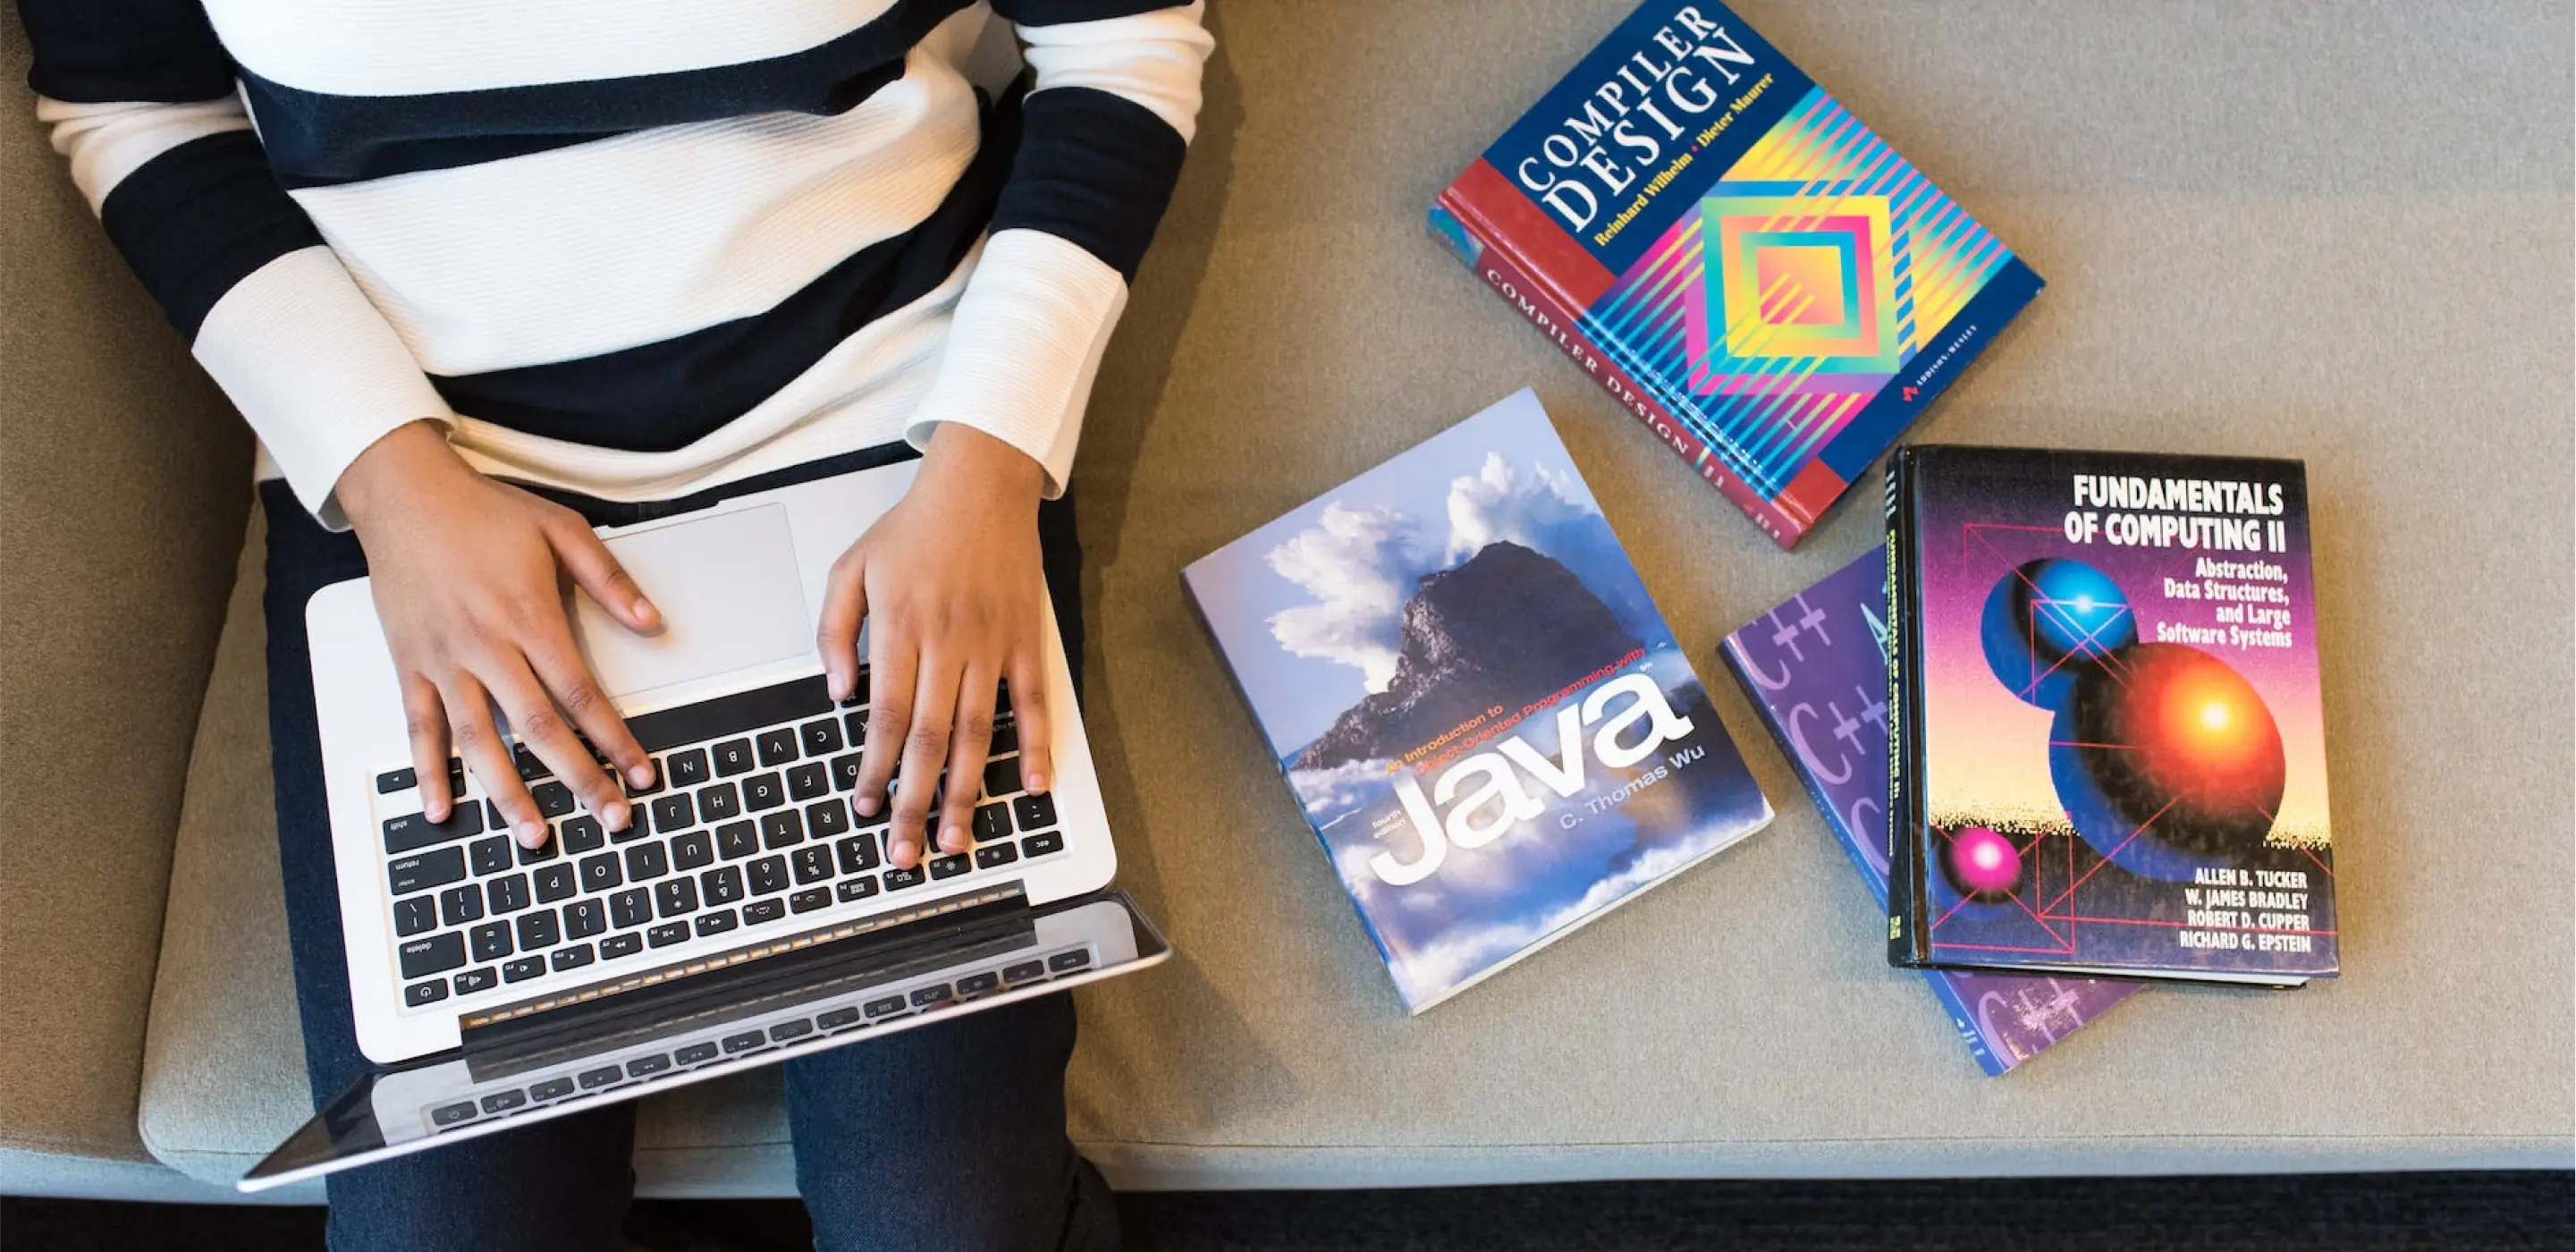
(122, 489)
(2301, 232)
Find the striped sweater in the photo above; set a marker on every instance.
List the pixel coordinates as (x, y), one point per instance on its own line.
(632, 249)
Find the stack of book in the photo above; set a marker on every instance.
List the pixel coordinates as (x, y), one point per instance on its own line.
(2065, 722)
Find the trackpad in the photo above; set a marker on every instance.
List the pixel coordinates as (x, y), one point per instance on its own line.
(729, 593)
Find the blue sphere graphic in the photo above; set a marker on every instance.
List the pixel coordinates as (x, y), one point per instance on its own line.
(2050, 620)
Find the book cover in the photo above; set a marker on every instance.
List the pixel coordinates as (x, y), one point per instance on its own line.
(1816, 668)
(1477, 705)
(1751, 271)
(2109, 752)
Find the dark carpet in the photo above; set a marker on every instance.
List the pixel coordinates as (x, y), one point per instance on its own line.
(2469, 1212)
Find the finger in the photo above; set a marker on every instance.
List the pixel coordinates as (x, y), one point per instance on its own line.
(543, 729)
(845, 605)
(425, 720)
(968, 743)
(1029, 718)
(576, 691)
(598, 574)
(925, 750)
(478, 740)
(892, 666)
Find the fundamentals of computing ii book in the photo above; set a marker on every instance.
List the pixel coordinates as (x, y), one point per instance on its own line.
(1753, 273)
(1479, 709)
(1816, 666)
(2109, 750)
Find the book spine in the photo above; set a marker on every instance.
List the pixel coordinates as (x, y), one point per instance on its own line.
(1905, 937)
(1526, 289)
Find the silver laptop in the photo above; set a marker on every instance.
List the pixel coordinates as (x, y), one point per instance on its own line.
(747, 915)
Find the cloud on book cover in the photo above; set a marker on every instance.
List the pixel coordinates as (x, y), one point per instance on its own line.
(1458, 953)
(1362, 564)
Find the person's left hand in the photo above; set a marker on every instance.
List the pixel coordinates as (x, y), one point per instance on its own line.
(952, 588)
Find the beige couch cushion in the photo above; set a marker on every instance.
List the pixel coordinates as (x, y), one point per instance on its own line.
(2274, 231)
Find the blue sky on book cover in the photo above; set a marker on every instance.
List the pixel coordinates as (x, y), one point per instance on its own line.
(1816, 668)
(1474, 699)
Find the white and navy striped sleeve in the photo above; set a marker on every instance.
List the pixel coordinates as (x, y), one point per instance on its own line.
(143, 100)
(1104, 127)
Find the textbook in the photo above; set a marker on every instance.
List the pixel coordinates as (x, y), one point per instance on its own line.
(2108, 753)
(1816, 667)
(1756, 276)
(1479, 709)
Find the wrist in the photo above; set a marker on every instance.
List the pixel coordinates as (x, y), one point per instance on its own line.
(399, 463)
(961, 458)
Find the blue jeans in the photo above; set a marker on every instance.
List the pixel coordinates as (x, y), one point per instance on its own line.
(946, 1136)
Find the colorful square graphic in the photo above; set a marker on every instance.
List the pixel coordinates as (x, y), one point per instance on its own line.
(1799, 293)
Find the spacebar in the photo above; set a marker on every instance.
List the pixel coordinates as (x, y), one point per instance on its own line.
(726, 715)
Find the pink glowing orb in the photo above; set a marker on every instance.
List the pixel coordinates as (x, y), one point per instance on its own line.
(1986, 862)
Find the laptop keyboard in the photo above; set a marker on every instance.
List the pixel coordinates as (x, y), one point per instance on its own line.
(749, 827)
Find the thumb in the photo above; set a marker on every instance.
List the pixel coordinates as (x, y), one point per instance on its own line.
(600, 576)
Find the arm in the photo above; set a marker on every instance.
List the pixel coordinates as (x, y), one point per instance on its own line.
(142, 99)
(950, 577)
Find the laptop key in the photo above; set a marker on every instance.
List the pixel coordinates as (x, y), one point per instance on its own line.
(763, 791)
(1024, 971)
(732, 757)
(435, 954)
(821, 738)
(858, 853)
(1063, 961)
(413, 831)
(938, 993)
(489, 856)
(856, 723)
(551, 1089)
(719, 802)
(417, 914)
(845, 773)
(547, 851)
(992, 821)
(813, 863)
(950, 866)
(695, 1054)
(627, 943)
(504, 1101)
(530, 768)
(523, 969)
(673, 812)
(1002, 777)
(631, 907)
(573, 957)
(693, 850)
(421, 993)
(1006, 737)
(1043, 843)
(784, 1031)
(668, 933)
(394, 780)
(584, 918)
(646, 861)
(507, 894)
(677, 897)
(737, 840)
(660, 780)
(715, 923)
(828, 819)
(1034, 811)
(583, 834)
(643, 1065)
(777, 747)
(492, 941)
(759, 911)
(481, 978)
(810, 899)
(554, 882)
(745, 1041)
(995, 855)
(978, 984)
(593, 1079)
(451, 1114)
(836, 1018)
(898, 879)
(422, 871)
(859, 888)
(889, 1004)
(461, 904)
(553, 798)
(538, 930)
(769, 874)
(721, 885)
(778, 830)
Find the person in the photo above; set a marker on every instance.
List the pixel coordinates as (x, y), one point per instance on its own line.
(483, 274)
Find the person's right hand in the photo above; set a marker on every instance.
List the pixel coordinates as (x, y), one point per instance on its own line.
(469, 582)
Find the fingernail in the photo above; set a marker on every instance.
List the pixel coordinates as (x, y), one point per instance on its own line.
(903, 853)
(530, 834)
(953, 839)
(616, 815)
(435, 810)
(641, 775)
(1036, 781)
(645, 613)
(866, 805)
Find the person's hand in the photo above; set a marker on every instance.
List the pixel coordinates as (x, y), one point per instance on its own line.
(951, 586)
(468, 577)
